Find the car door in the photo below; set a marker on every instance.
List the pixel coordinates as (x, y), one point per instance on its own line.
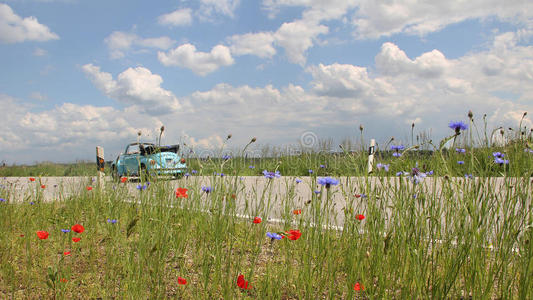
(131, 159)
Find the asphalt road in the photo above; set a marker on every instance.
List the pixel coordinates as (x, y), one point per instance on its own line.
(271, 199)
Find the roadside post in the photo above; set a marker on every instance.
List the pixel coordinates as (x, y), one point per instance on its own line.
(371, 151)
(100, 163)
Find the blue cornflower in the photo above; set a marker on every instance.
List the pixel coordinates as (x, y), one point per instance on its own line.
(112, 221)
(194, 171)
(327, 181)
(310, 171)
(221, 174)
(251, 167)
(429, 173)
(226, 157)
(274, 236)
(397, 147)
(207, 189)
(383, 166)
(141, 187)
(317, 192)
(458, 126)
(187, 174)
(322, 166)
(460, 150)
(498, 154)
(32, 203)
(2, 200)
(65, 230)
(396, 154)
(271, 175)
(417, 176)
(501, 161)
(469, 176)
(460, 162)
(298, 180)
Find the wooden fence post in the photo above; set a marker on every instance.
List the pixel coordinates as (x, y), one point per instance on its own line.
(100, 164)
(371, 151)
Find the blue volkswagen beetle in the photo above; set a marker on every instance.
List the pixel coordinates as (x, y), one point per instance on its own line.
(147, 159)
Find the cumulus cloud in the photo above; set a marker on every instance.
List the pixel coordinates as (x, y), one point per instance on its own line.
(137, 87)
(209, 8)
(179, 17)
(201, 63)
(14, 29)
(258, 44)
(119, 43)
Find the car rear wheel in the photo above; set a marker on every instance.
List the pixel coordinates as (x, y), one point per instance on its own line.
(114, 174)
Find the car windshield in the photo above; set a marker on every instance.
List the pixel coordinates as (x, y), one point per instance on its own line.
(132, 149)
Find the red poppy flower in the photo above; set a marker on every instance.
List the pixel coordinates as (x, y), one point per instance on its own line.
(32, 179)
(21, 235)
(358, 287)
(89, 188)
(78, 228)
(182, 280)
(181, 193)
(360, 217)
(357, 195)
(43, 186)
(297, 211)
(66, 253)
(257, 220)
(243, 284)
(63, 280)
(294, 234)
(76, 239)
(43, 235)
(123, 179)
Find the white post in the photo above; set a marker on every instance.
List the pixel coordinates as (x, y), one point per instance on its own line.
(100, 163)
(371, 151)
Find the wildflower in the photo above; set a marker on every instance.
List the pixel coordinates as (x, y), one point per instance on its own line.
(221, 174)
(400, 173)
(181, 193)
(396, 154)
(322, 166)
(123, 179)
(383, 166)
(358, 287)
(460, 150)
(243, 284)
(89, 188)
(498, 154)
(32, 203)
(417, 176)
(294, 234)
(43, 186)
(43, 235)
(360, 217)
(298, 180)
(182, 280)
(2, 200)
(271, 175)
(297, 211)
(226, 157)
(187, 174)
(66, 253)
(460, 162)
(501, 161)
(469, 176)
(251, 167)
(65, 230)
(78, 228)
(76, 239)
(207, 189)
(194, 171)
(397, 147)
(310, 171)
(63, 280)
(31, 179)
(274, 236)
(458, 126)
(112, 221)
(141, 187)
(257, 220)
(327, 181)
(317, 192)
(429, 173)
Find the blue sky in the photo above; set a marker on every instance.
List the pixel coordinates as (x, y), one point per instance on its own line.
(76, 74)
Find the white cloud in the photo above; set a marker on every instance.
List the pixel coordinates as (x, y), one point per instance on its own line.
(201, 63)
(179, 17)
(137, 87)
(209, 8)
(258, 44)
(14, 29)
(119, 43)
(298, 36)
(38, 96)
(384, 18)
(39, 52)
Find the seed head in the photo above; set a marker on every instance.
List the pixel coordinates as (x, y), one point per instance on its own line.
(470, 114)
(229, 136)
(525, 113)
(413, 125)
(253, 140)
(361, 127)
(162, 128)
(139, 133)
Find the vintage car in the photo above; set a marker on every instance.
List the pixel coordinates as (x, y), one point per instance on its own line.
(147, 159)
